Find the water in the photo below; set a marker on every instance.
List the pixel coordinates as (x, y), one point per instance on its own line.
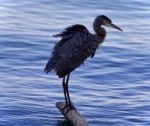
(112, 89)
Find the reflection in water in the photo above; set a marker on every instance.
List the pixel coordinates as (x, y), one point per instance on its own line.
(111, 89)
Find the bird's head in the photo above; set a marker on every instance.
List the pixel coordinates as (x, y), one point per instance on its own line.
(103, 20)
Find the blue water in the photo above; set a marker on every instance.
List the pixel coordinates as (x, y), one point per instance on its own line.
(112, 89)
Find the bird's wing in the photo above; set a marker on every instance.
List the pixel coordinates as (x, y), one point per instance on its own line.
(75, 39)
(71, 31)
(76, 45)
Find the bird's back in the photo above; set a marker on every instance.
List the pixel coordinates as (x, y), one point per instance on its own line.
(76, 45)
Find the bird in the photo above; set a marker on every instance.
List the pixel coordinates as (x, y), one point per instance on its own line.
(75, 46)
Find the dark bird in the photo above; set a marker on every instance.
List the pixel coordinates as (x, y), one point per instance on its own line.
(75, 46)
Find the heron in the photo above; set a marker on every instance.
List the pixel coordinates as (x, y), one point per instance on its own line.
(75, 46)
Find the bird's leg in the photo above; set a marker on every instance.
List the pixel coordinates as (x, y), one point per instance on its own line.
(70, 105)
(64, 88)
(68, 90)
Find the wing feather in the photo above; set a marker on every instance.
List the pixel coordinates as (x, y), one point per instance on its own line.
(75, 46)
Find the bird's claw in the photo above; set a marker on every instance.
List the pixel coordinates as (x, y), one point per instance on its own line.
(68, 108)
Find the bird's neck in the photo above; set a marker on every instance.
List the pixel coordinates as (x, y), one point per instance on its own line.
(100, 32)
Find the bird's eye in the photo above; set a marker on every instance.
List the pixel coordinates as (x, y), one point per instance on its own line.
(105, 22)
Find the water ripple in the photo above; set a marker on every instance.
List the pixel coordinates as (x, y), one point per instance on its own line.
(111, 89)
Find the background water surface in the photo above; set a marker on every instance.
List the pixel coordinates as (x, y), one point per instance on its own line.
(112, 89)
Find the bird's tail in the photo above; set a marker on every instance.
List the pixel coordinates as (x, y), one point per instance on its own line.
(49, 66)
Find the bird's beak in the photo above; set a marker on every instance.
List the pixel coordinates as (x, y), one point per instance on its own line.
(113, 26)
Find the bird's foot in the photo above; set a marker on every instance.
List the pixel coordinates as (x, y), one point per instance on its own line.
(70, 107)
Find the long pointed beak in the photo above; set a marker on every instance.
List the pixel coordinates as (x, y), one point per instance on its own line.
(113, 26)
